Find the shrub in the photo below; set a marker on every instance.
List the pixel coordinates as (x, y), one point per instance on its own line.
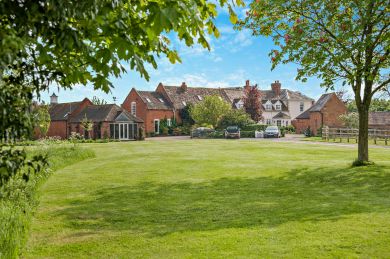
(235, 117)
(216, 134)
(18, 198)
(254, 127)
(247, 133)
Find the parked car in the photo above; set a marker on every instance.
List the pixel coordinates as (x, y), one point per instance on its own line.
(232, 132)
(201, 132)
(272, 132)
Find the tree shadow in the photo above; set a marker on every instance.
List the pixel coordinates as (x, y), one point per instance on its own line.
(301, 195)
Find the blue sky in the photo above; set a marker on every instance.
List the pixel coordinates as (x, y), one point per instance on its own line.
(234, 57)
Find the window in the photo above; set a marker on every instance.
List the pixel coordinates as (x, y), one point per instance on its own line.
(161, 100)
(278, 107)
(148, 100)
(133, 108)
(279, 123)
(169, 122)
(157, 126)
(184, 103)
(286, 123)
(301, 106)
(268, 121)
(200, 98)
(268, 107)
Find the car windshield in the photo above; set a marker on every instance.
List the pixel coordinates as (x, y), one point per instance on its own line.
(232, 129)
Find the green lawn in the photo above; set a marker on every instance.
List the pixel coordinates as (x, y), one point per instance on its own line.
(215, 199)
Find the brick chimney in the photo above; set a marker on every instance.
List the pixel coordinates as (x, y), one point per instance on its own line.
(53, 99)
(247, 86)
(276, 88)
(183, 87)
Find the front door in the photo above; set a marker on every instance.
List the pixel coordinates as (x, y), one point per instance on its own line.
(157, 126)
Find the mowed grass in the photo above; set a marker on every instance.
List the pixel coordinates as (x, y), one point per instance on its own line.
(215, 199)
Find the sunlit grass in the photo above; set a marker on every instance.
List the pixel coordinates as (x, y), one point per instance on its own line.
(216, 198)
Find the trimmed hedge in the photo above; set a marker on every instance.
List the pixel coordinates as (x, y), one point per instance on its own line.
(19, 199)
(254, 127)
(247, 134)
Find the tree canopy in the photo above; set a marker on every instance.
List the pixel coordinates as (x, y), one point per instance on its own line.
(66, 43)
(341, 41)
(210, 111)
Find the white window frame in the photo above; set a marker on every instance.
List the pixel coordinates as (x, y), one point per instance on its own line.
(301, 106)
(268, 107)
(169, 122)
(278, 107)
(133, 108)
(158, 126)
(269, 121)
(279, 123)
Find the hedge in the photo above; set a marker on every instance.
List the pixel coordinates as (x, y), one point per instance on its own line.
(254, 127)
(19, 199)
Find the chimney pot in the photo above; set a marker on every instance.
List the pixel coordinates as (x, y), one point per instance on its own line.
(247, 85)
(53, 99)
(183, 86)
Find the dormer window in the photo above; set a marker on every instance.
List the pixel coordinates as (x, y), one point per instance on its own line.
(268, 107)
(278, 107)
(148, 100)
(161, 100)
(184, 103)
(200, 98)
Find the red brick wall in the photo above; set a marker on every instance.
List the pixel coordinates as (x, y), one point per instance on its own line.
(331, 112)
(315, 121)
(57, 128)
(300, 125)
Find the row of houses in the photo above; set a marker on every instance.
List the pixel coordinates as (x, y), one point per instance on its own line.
(146, 109)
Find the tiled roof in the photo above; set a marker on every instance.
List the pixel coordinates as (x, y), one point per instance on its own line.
(281, 115)
(60, 111)
(154, 100)
(233, 93)
(99, 113)
(304, 115)
(321, 102)
(379, 118)
(193, 95)
(285, 94)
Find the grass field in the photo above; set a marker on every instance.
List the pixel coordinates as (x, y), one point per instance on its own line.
(215, 199)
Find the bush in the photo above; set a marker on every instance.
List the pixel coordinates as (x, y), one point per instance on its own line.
(235, 117)
(216, 134)
(247, 133)
(18, 198)
(254, 127)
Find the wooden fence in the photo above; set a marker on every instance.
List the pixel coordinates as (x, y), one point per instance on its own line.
(352, 134)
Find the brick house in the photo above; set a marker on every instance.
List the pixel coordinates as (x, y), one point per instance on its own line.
(165, 102)
(325, 112)
(109, 121)
(60, 114)
(149, 106)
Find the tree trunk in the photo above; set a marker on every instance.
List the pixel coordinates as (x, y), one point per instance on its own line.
(363, 134)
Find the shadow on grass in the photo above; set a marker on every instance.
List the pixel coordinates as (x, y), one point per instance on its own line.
(301, 195)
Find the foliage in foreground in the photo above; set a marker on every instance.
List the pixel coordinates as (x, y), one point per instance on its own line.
(19, 198)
